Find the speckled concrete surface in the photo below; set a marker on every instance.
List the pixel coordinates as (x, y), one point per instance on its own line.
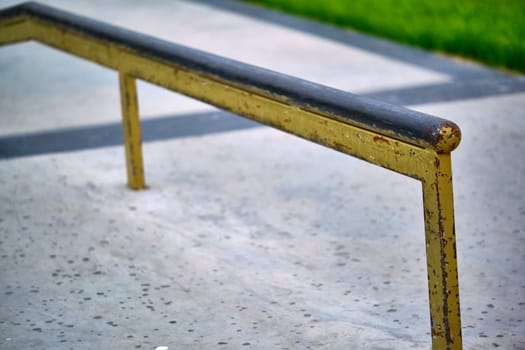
(249, 239)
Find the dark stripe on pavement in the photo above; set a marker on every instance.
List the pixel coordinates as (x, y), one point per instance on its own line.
(216, 121)
(449, 92)
(88, 137)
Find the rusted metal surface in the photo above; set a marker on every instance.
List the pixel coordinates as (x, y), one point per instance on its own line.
(405, 141)
(442, 272)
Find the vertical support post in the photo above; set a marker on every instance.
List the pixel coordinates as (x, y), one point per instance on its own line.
(131, 129)
(441, 256)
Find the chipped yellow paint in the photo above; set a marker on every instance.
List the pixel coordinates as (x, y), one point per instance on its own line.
(438, 203)
(430, 165)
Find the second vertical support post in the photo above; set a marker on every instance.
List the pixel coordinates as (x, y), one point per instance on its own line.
(131, 129)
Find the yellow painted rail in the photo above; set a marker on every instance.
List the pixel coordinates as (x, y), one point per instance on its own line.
(405, 141)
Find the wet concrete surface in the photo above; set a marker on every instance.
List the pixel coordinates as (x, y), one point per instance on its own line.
(247, 238)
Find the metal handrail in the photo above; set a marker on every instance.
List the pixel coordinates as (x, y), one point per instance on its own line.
(408, 142)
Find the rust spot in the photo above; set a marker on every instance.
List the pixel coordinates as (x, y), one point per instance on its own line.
(447, 137)
(342, 147)
(381, 139)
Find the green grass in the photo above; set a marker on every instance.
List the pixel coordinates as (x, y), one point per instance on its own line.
(490, 31)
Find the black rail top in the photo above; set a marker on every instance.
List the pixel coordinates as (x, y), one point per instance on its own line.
(401, 123)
